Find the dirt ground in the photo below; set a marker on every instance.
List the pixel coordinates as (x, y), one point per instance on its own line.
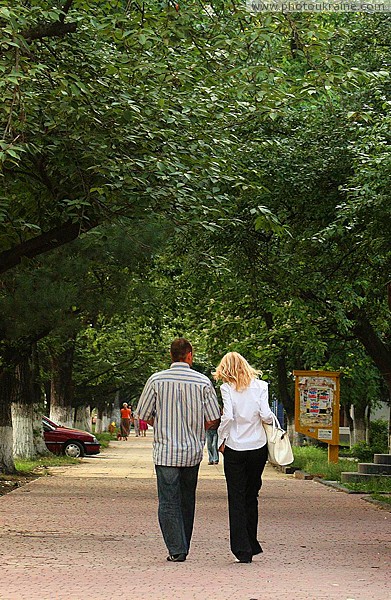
(9, 483)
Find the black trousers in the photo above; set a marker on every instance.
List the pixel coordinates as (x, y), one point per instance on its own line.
(243, 473)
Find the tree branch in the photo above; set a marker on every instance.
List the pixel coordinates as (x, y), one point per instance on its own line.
(373, 344)
(57, 29)
(45, 242)
(65, 10)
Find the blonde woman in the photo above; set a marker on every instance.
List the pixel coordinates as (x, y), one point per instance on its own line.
(242, 440)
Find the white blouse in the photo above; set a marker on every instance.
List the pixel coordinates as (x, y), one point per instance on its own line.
(241, 423)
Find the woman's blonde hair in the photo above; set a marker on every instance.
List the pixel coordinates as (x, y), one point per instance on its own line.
(234, 368)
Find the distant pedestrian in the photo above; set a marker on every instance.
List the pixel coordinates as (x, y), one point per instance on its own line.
(242, 440)
(180, 403)
(212, 446)
(126, 414)
(143, 427)
(136, 424)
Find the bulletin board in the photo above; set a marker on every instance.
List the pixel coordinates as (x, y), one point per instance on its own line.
(317, 405)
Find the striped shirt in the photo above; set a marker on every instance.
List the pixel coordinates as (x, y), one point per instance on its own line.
(179, 400)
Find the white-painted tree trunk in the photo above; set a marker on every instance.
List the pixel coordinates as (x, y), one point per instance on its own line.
(98, 425)
(114, 413)
(23, 436)
(105, 422)
(39, 442)
(62, 415)
(7, 464)
(7, 382)
(61, 392)
(359, 425)
(296, 438)
(290, 427)
(83, 418)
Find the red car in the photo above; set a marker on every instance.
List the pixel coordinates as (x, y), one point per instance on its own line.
(72, 442)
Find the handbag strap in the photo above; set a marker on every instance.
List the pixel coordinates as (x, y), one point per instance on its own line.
(276, 425)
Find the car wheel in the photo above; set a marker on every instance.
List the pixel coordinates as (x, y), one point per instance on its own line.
(74, 449)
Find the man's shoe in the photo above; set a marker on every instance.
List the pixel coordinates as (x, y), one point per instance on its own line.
(176, 558)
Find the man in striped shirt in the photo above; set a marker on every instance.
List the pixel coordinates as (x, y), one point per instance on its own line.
(181, 404)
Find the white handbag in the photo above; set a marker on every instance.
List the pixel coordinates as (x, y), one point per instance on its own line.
(278, 444)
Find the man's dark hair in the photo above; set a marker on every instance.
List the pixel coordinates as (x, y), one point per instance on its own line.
(179, 349)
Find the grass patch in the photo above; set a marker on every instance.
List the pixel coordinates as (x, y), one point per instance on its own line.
(374, 486)
(105, 439)
(33, 466)
(380, 498)
(314, 461)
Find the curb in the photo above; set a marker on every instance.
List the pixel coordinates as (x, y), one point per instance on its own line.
(379, 504)
(298, 474)
(337, 486)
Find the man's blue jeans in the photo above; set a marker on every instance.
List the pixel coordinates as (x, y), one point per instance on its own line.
(176, 488)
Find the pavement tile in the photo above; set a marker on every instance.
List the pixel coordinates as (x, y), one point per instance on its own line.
(90, 532)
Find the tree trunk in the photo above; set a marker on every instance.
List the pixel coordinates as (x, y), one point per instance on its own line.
(389, 433)
(284, 396)
(105, 418)
(359, 423)
(39, 442)
(23, 436)
(350, 421)
(7, 464)
(283, 388)
(99, 421)
(47, 386)
(374, 345)
(368, 420)
(83, 418)
(61, 391)
(38, 405)
(22, 411)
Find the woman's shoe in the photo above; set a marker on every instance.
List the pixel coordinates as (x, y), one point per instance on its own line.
(176, 558)
(243, 560)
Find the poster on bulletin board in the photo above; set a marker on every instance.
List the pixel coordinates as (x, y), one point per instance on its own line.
(317, 405)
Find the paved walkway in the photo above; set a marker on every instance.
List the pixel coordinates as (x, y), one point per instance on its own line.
(91, 533)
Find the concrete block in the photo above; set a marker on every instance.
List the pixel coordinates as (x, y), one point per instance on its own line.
(375, 469)
(347, 477)
(302, 475)
(382, 459)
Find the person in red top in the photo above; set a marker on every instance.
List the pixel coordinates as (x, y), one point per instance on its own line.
(143, 427)
(126, 413)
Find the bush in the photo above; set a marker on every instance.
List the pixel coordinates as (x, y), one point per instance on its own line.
(378, 442)
(378, 436)
(362, 451)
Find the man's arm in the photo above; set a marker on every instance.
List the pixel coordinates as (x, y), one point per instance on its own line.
(212, 409)
(212, 424)
(146, 405)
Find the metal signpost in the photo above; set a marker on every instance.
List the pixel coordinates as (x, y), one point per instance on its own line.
(317, 407)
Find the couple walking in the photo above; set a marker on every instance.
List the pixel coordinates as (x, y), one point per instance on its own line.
(181, 404)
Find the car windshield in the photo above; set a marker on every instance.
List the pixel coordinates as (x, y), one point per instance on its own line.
(48, 426)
